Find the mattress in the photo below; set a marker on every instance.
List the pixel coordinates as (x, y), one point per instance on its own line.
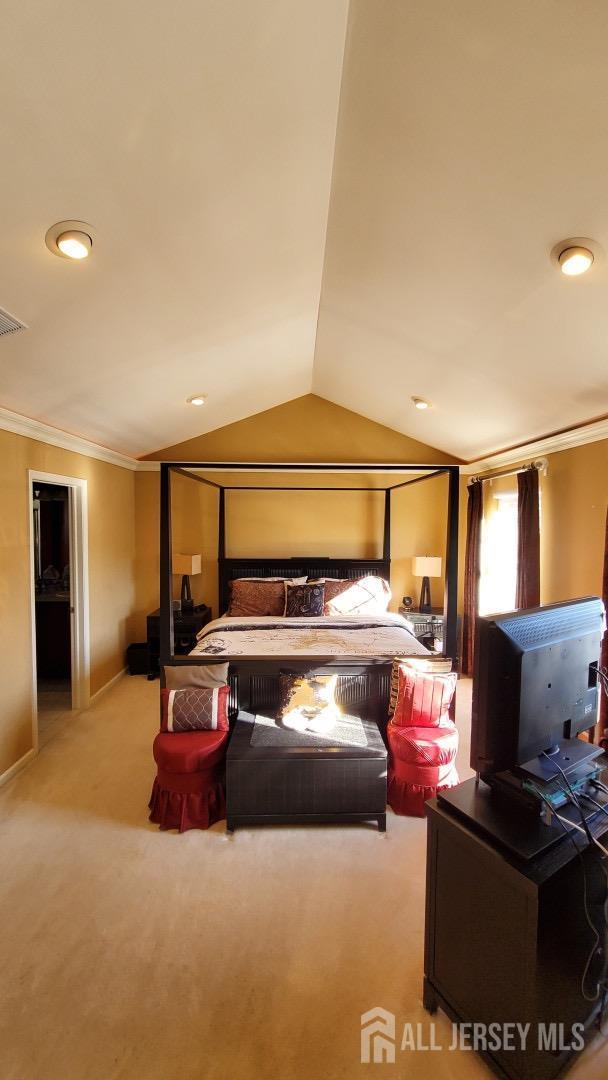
(376, 637)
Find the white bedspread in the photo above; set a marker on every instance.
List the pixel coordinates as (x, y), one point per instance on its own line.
(382, 636)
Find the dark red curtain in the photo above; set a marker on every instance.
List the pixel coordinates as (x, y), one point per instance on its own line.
(472, 570)
(604, 651)
(528, 540)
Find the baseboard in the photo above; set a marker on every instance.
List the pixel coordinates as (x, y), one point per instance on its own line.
(107, 686)
(31, 754)
(18, 766)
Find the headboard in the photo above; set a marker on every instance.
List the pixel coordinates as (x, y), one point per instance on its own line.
(296, 567)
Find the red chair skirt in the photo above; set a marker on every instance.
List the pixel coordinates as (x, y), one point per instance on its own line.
(189, 791)
(422, 761)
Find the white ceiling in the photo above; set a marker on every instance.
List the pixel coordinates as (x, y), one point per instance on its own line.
(198, 140)
(472, 137)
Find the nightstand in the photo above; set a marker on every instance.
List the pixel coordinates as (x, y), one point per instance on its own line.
(427, 627)
(186, 625)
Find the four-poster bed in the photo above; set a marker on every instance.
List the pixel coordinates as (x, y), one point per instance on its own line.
(365, 679)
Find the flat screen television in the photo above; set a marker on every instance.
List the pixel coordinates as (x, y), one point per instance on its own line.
(535, 684)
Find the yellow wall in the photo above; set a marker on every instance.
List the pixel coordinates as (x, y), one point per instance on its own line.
(349, 524)
(309, 428)
(574, 498)
(419, 527)
(111, 576)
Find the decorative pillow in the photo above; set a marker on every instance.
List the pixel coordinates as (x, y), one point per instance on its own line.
(192, 675)
(308, 703)
(256, 597)
(196, 709)
(333, 588)
(439, 665)
(304, 600)
(367, 596)
(423, 698)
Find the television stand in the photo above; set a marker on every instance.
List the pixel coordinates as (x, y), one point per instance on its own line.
(506, 940)
(568, 755)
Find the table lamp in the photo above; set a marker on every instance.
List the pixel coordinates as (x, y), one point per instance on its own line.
(186, 565)
(426, 566)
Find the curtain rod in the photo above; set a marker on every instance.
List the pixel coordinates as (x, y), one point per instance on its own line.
(540, 464)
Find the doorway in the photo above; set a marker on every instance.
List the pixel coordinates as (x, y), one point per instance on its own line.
(59, 600)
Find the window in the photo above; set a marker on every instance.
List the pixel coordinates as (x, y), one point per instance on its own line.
(498, 580)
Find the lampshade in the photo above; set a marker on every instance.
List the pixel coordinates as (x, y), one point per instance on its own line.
(186, 564)
(426, 566)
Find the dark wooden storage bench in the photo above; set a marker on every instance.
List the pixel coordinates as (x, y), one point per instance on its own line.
(272, 781)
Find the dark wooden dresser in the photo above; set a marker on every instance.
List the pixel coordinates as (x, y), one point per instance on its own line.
(506, 937)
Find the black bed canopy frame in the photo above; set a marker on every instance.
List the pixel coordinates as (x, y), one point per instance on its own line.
(328, 567)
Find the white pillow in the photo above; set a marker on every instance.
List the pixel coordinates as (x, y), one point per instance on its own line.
(366, 596)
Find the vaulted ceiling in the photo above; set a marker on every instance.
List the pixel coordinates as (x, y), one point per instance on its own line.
(304, 195)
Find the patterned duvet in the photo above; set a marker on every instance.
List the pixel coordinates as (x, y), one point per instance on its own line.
(381, 636)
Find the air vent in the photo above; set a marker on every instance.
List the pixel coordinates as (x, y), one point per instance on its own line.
(9, 324)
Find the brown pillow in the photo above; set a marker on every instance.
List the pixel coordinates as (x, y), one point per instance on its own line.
(333, 588)
(248, 597)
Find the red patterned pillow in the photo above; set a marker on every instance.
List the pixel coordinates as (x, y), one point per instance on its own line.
(423, 699)
(195, 709)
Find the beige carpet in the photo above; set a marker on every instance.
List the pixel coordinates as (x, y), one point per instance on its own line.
(129, 953)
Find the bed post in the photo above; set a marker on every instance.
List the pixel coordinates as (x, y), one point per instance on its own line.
(221, 529)
(450, 643)
(221, 554)
(386, 546)
(166, 583)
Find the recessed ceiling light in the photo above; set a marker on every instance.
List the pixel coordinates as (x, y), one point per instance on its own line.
(575, 260)
(421, 403)
(76, 245)
(70, 240)
(198, 399)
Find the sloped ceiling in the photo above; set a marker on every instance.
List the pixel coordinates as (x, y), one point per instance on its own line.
(199, 140)
(472, 138)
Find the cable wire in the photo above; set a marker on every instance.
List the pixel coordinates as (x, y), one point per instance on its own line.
(597, 937)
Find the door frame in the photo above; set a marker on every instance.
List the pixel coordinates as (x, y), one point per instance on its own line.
(79, 589)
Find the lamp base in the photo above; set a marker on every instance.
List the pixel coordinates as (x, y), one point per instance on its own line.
(425, 596)
(186, 596)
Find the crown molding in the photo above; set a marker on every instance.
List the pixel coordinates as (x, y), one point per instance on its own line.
(550, 444)
(35, 429)
(147, 466)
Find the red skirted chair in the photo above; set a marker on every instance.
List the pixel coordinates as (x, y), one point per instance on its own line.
(422, 761)
(422, 740)
(189, 791)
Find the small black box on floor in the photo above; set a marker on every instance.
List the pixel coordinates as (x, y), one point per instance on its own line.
(138, 658)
